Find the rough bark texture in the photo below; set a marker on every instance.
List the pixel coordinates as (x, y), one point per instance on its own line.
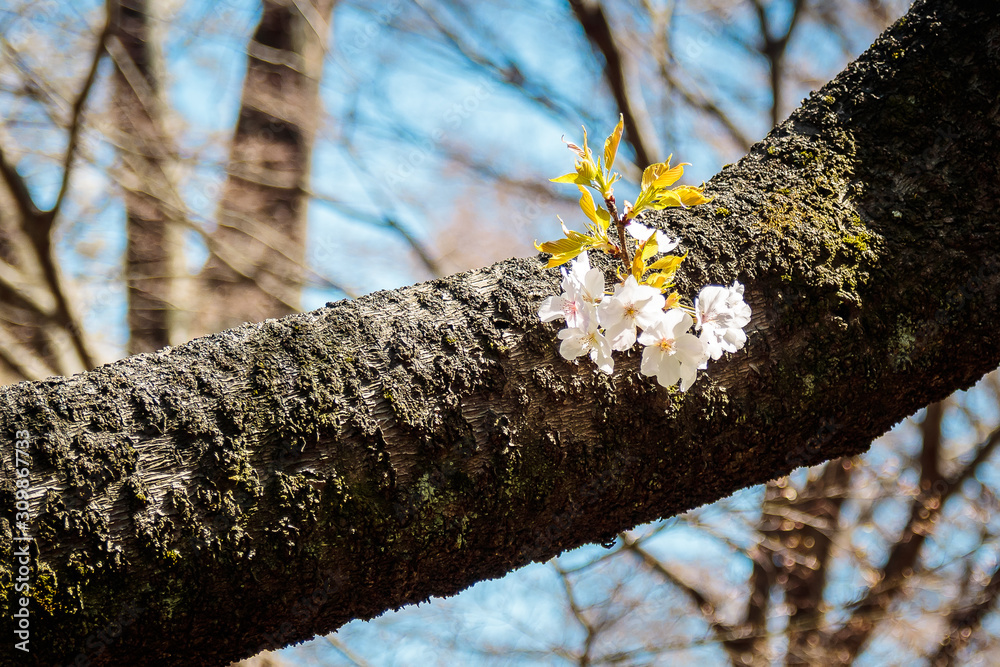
(258, 486)
(255, 269)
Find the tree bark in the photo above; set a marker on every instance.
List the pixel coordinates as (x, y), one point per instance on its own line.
(257, 254)
(153, 243)
(256, 487)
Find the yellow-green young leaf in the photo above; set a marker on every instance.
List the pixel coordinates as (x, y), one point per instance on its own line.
(690, 195)
(653, 171)
(587, 205)
(605, 219)
(596, 214)
(668, 199)
(565, 178)
(645, 200)
(660, 281)
(611, 143)
(668, 263)
(673, 301)
(557, 247)
(577, 237)
(650, 247)
(649, 175)
(562, 250)
(638, 267)
(670, 175)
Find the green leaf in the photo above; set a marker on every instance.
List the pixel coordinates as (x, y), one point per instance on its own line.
(649, 175)
(587, 205)
(605, 218)
(691, 195)
(565, 178)
(660, 281)
(574, 177)
(638, 267)
(596, 214)
(668, 199)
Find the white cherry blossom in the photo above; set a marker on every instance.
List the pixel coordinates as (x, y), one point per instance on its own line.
(722, 314)
(587, 282)
(578, 341)
(671, 353)
(641, 232)
(631, 305)
(583, 289)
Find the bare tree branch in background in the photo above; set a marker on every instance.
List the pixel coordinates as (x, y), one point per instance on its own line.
(966, 620)
(38, 315)
(805, 536)
(925, 509)
(773, 46)
(639, 129)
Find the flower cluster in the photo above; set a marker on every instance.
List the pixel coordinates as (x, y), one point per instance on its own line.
(641, 307)
(598, 323)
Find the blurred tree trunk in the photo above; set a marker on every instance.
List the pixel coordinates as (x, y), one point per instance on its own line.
(153, 245)
(253, 488)
(256, 266)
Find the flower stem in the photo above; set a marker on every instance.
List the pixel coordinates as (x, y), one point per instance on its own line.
(620, 226)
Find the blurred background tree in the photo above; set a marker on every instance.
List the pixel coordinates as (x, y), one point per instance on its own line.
(172, 169)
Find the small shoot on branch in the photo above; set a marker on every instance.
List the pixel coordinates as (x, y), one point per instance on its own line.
(599, 322)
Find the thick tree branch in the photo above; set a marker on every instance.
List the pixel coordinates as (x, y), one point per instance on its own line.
(268, 483)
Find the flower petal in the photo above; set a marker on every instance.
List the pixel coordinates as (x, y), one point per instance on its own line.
(552, 308)
(669, 372)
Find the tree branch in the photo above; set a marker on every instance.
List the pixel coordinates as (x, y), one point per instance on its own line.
(924, 512)
(18, 189)
(731, 638)
(964, 621)
(259, 486)
(594, 21)
(773, 48)
(812, 543)
(76, 114)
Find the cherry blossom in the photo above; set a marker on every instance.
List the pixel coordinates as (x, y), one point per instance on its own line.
(671, 353)
(722, 314)
(644, 296)
(578, 341)
(641, 232)
(583, 289)
(631, 305)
